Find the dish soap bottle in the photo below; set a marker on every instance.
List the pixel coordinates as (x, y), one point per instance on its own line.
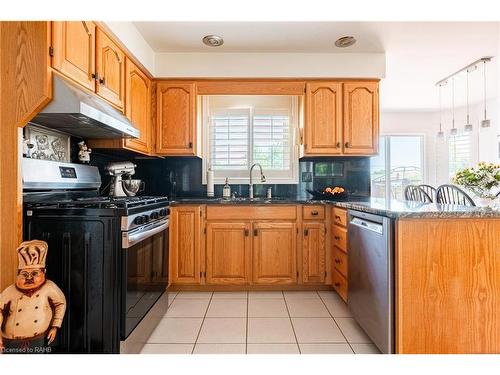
(226, 190)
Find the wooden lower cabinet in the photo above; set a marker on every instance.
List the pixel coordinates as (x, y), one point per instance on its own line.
(274, 253)
(185, 245)
(340, 265)
(228, 253)
(313, 253)
(340, 284)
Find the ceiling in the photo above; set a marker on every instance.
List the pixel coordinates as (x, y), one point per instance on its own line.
(417, 53)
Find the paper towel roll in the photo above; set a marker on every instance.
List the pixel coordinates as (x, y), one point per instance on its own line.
(210, 183)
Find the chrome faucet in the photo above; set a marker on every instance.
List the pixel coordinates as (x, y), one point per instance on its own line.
(262, 179)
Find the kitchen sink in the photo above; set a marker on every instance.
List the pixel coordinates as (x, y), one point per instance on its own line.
(251, 200)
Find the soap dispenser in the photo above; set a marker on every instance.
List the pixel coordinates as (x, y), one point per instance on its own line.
(226, 190)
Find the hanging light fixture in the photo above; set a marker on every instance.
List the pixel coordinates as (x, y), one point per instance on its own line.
(453, 130)
(484, 123)
(468, 125)
(440, 133)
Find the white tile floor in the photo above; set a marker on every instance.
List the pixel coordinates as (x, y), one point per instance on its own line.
(258, 323)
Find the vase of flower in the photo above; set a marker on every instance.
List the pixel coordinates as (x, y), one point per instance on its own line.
(484, 202)
(482, 180)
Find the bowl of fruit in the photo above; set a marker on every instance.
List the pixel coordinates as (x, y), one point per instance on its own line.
(329, 193)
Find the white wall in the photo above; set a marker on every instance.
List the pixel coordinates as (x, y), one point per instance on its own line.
(128, 34)
(360, 65)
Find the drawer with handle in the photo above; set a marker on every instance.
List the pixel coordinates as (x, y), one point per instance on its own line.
(340, 261)
(313, 212)
(339, 216)
(340, 284)
(340, 237)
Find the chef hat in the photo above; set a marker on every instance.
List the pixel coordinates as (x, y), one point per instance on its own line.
(32, 254)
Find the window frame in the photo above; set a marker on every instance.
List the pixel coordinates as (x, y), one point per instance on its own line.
(386, 139)
(470, 159)
(242, 176)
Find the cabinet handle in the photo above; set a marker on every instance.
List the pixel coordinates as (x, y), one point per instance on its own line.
(190, 144)
(337, 145)
(94, 76)
(255, 233)
(102, 81)
(306, 232)
(336, 237)
(337, 217)
(338, 261)
(336, 284)
(246, 232)
(347, 145)
(314, 213)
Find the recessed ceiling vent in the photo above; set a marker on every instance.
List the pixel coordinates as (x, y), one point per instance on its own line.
(213, 41)
(345, 41)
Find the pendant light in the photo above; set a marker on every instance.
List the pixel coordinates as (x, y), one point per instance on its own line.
(453, 130)
(484, 123)
(440, 133)
(468, 125)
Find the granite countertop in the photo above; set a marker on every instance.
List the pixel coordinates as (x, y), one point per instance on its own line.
(408, 209)
(390, 208)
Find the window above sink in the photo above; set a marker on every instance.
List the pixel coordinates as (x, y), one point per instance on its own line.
(240, 130)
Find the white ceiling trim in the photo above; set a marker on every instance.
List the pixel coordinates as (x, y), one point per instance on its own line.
(271, 65)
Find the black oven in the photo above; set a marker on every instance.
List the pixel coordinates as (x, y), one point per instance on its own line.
(144, 271)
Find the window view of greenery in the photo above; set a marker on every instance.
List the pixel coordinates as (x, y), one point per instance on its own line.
(399, 163)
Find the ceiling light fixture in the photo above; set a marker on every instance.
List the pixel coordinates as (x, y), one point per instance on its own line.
(213, 40)
(468, 125)
(440, 133)
(345, 41)
(453, 130)
(484, 123)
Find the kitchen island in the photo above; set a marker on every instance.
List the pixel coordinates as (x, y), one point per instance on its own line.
(446, 260)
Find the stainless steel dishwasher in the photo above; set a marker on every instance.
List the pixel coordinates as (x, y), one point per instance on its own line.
(371, 276)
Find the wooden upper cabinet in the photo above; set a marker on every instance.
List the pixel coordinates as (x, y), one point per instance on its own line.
(73, 44)
(323, 129)
(313, 253)
(274, 253)
(138, 107)
(185, 245)
(228, 253)
(176, 118)
(361, 118)
(110, 67)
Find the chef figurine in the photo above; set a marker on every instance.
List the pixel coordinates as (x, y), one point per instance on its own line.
(84, 152)
(33, 309)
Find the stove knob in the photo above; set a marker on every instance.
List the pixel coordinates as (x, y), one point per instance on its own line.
(146, 218)
(139, 220)
(163, 212)
(155, 215)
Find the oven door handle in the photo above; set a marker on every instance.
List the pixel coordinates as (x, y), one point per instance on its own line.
(129, 240)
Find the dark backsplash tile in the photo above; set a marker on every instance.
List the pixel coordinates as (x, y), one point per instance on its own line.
(181, 177)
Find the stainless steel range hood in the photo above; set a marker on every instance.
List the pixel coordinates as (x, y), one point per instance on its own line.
(83, 114)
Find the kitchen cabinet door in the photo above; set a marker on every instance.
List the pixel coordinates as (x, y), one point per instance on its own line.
(228, 253)
(73, 44)
(185, 245)
(361, 118)
(110, 66)
(176, 118)
(313, 253)
(323, 125)
(274, 253)
(138, 107)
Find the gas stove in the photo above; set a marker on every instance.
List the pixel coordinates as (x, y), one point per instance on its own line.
(109, 255)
